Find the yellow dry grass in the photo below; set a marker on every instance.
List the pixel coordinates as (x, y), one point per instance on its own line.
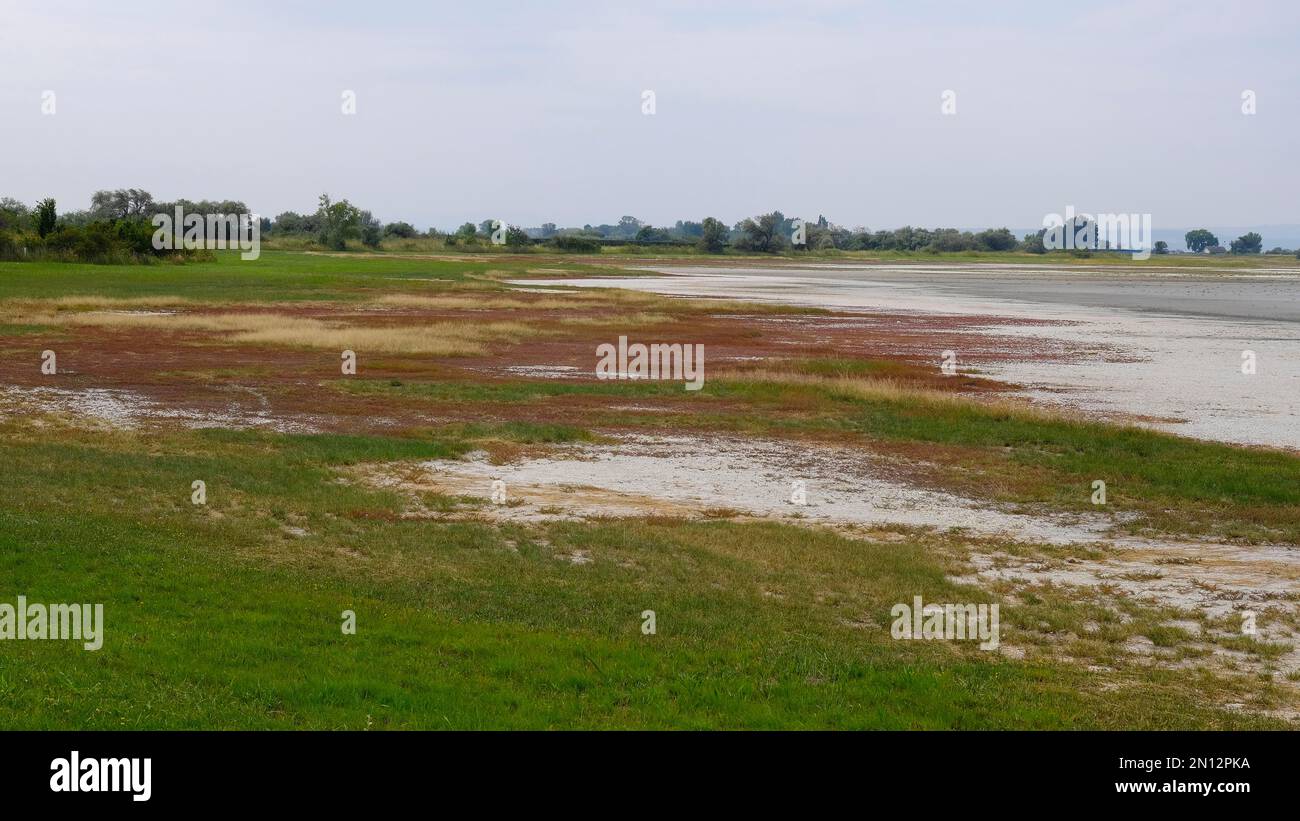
(620, 320)
(456, 303)
(584, 302)
(436, 338)
(18, 307)
(886, 389)
(642, 299)
(573, 298)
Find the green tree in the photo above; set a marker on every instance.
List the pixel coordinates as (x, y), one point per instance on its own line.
(996, 239)
(339, 222)
(45, 217)
(648, 233)
(1199, 239)
(289, 222)
(517, 237)
(950, 240)
(13, 213)
(1250, 243)
(627, 227)
(401, 230)
(371, 230)
(1033, 243)
(687, 230)
(762, 234)
(123, 203)
(1161, 247)
(713, 236)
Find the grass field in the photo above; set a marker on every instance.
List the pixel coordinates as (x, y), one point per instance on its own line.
(228, 614)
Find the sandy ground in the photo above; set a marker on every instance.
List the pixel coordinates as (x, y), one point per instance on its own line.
(693, 476)
(1174, 342)
(127, 409)
(754, 479)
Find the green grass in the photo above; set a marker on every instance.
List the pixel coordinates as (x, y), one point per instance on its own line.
(1180, 485)
(226, 616)
(215, 617)
(507, 391)
(1177, 485)
(276, 276)
(293, 276)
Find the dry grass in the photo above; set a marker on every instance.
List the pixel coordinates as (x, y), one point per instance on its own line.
(626, 297)
(26, 308)
(658, 302)
(622, 320)
(478, 302)
(887, 389)
(438, 338)
(561, 298)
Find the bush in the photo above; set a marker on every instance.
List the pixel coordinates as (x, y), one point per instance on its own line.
(401, 230)
(996, 239)
(713, 236)
(46, 216)
(118, 242)
(1251, 243)
(137, 236)
(576, 245)
(951, 240)
(96, 241)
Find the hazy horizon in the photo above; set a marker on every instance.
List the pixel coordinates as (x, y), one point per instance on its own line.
(535, 115)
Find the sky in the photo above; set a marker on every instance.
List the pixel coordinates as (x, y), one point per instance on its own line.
(533, 112)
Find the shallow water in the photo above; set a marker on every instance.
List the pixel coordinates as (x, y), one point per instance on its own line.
(1177, 338)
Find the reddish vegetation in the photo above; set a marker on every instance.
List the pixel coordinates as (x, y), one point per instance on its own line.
(197, 372)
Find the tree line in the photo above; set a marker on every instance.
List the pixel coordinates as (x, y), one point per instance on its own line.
(116, 227)
(766, 233)
(1201, 240)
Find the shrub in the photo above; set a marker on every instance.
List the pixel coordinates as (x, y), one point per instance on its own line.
(950, 240)
(45, 217)
(713, 235)
(402, 230)
(576, 245)
(1033, 244)
(516, 236)
(996, 239)
(1251, 243)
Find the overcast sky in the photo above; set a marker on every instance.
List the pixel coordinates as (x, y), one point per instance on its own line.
(532, 112)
